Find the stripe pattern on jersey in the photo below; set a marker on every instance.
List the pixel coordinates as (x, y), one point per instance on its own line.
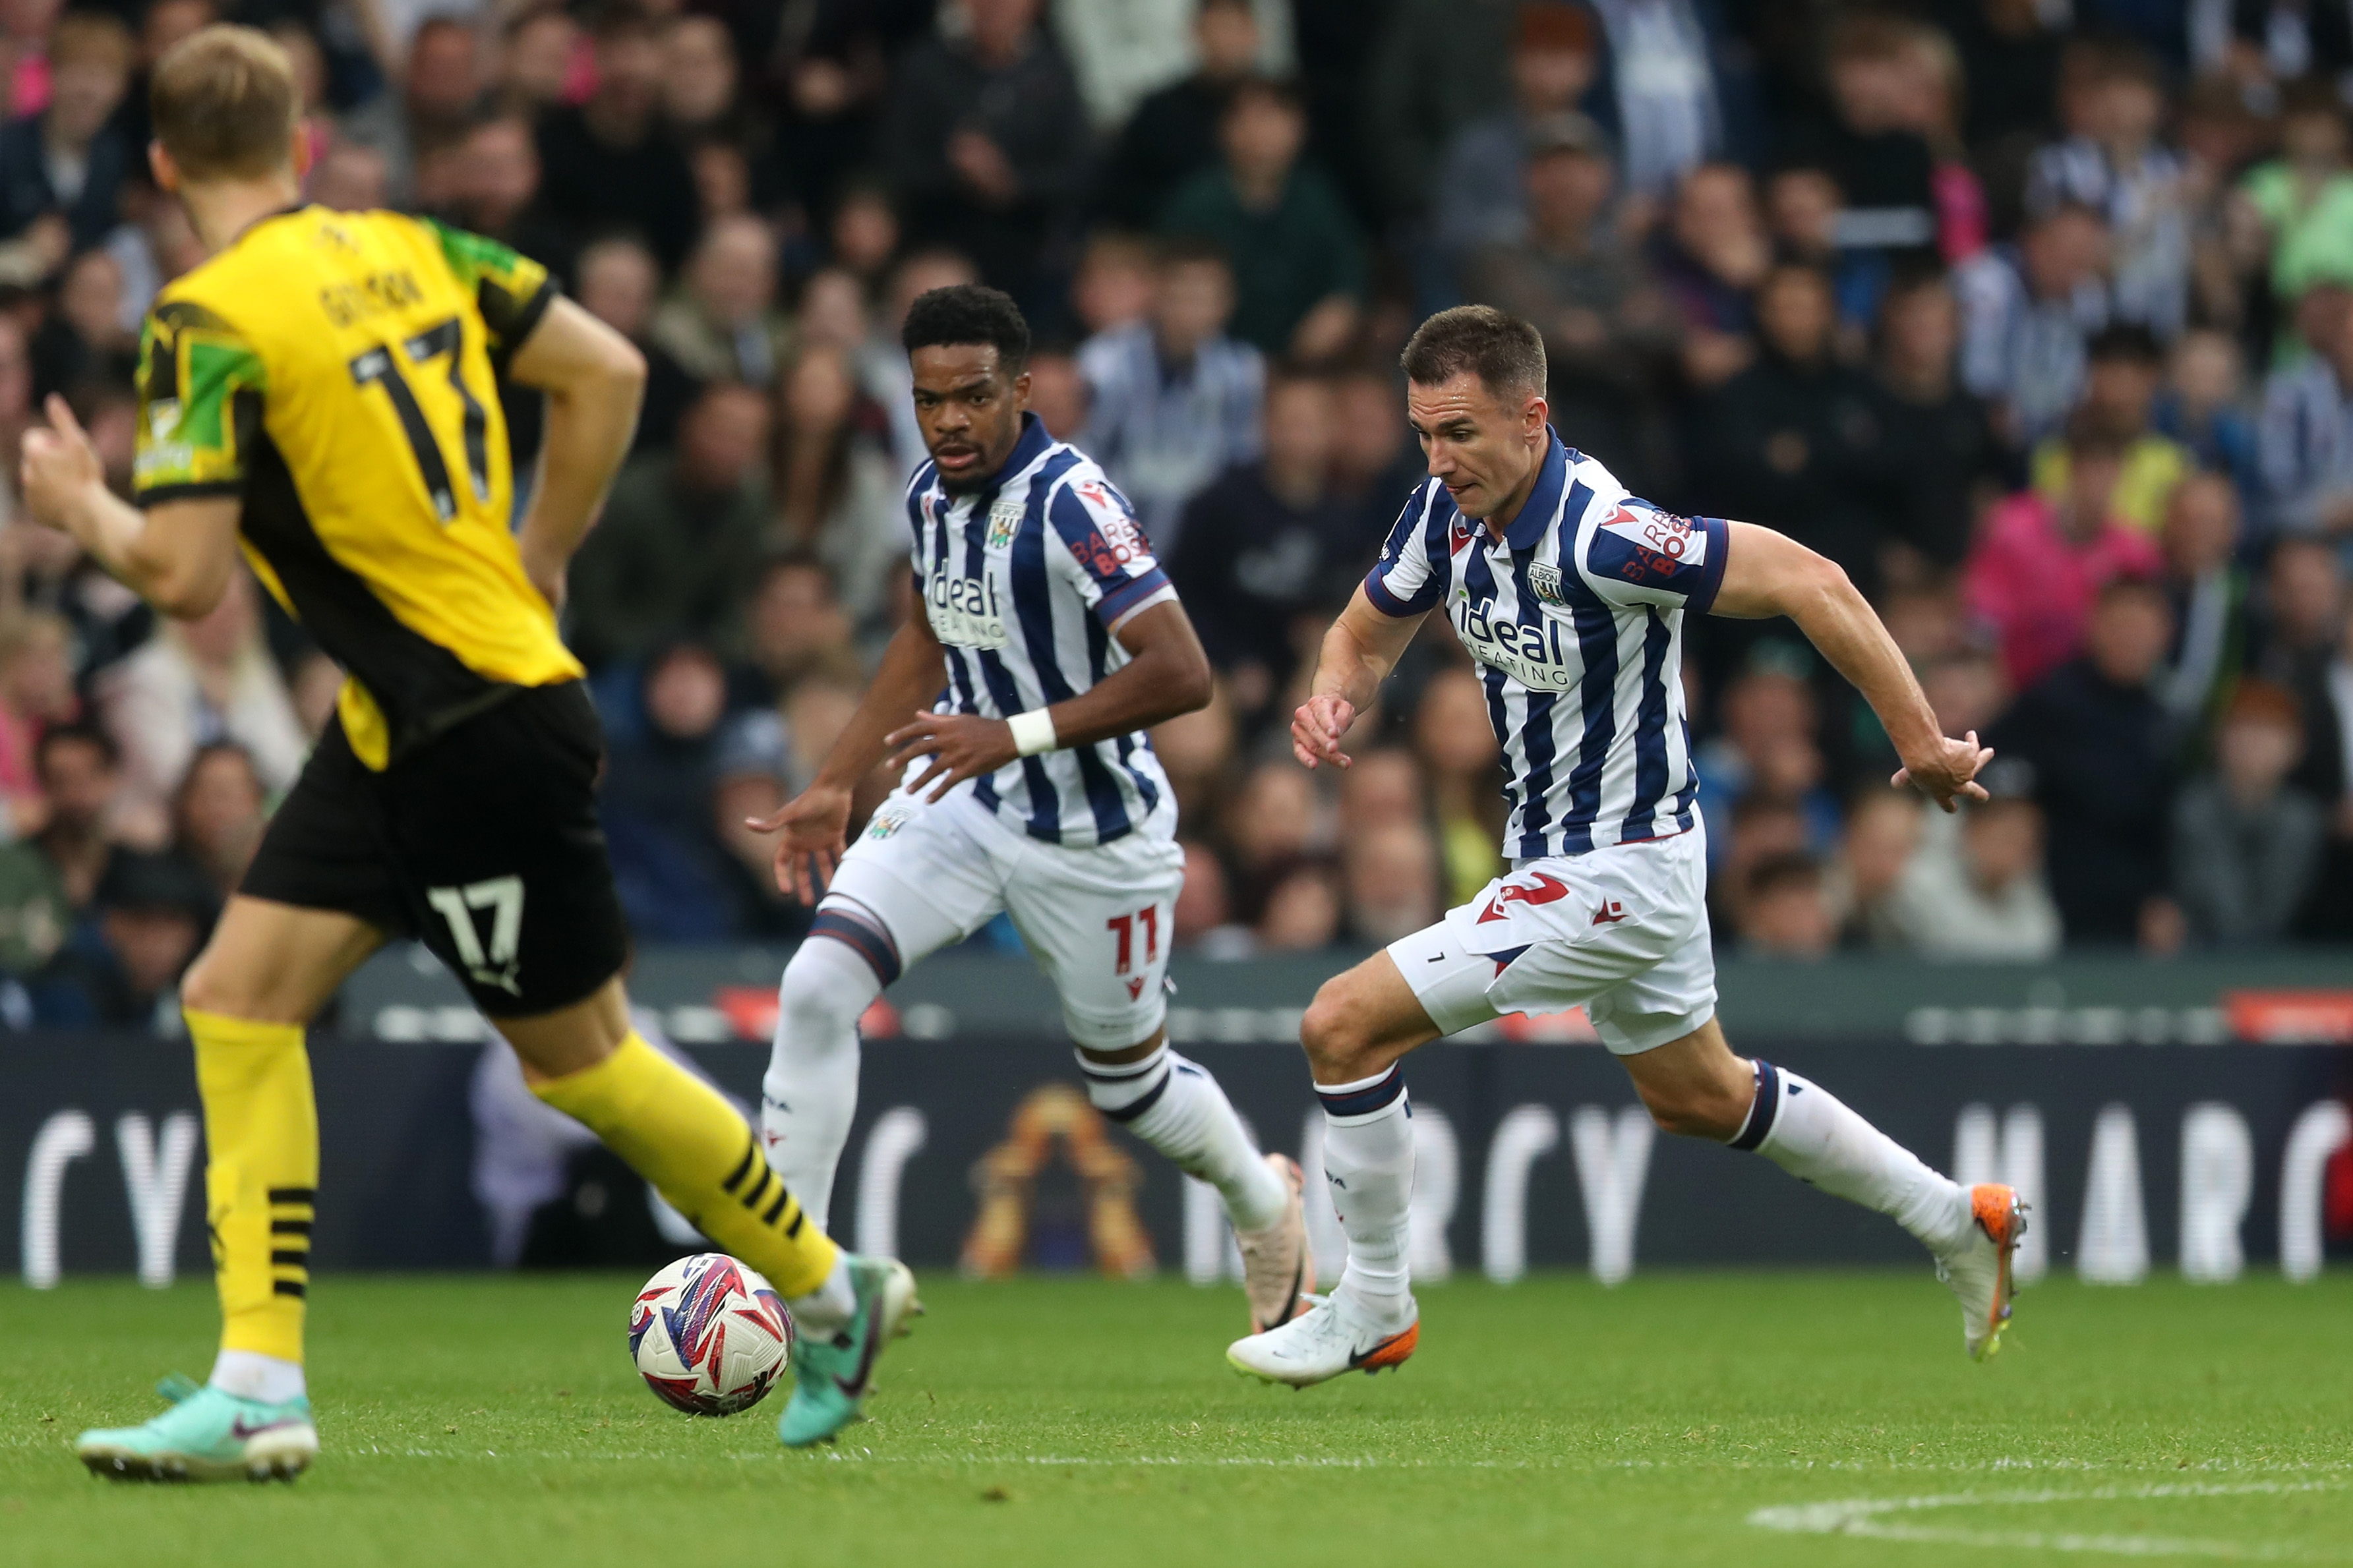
(1576, 620)
(1023, 582)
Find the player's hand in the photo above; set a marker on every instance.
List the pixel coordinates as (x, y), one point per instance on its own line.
(815, 825)
(547, 576)
(1317, 727)
(59, 466)
(961, 746)
(1947, 774)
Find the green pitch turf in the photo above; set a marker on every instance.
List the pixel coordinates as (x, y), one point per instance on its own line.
(1741, 1418)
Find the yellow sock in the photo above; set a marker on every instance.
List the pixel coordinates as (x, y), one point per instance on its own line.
(261, 1176)
(675, 1131)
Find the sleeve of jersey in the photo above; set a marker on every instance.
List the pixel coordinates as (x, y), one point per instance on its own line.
(1406, 580)
(200, 387)
(1637, 554)
(1117, 574)
(512, 292)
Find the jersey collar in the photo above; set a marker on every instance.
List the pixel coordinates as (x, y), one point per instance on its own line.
(1025, 451)
(1537, 514)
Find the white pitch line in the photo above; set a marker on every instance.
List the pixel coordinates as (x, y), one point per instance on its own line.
(1871, 1518)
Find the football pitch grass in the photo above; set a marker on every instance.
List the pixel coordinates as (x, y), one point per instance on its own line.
(1734, 1417)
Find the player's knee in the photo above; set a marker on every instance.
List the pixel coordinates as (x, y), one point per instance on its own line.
(826, 988)
(211, 985)
(1692, 1109)
(1336, 1035)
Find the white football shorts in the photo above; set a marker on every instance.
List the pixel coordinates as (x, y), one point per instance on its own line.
(1098, 921)
(1621, 932)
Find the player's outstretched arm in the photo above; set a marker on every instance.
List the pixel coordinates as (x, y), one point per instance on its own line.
(814, 826)
(1363, 645)
(178, 556)
(1769, 573)
(1166, 674)
(595, 379)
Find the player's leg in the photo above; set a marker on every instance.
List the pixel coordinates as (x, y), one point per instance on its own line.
(915, 880)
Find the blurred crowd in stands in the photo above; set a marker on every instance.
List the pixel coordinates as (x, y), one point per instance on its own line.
(2035, 316)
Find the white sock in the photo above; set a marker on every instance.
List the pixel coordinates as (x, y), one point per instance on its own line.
(1177, 1106)
(1368, 1164)
(810, 1093)
(249, 1375)
(1809, 1132)
(824, 1310)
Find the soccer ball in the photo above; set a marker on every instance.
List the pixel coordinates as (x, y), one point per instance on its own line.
(710, 1336)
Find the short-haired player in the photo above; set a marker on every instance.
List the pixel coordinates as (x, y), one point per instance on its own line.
(1571, 594)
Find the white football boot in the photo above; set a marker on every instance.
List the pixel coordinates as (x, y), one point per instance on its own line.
(1330, 1337)
(1278, 1266)
(1979, 1273)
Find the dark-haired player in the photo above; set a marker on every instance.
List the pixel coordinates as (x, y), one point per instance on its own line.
(1050, 642)
(1571, 594)
(324, 391)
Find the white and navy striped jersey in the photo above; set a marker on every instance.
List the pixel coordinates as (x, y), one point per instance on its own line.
(1576, 617)
(1024, 582)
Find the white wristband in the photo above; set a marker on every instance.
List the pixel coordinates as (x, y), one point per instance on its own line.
(1033, 731)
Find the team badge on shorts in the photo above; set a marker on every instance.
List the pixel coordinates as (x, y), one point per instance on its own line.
(1544, 582)
(888, 818)
(1004, 522)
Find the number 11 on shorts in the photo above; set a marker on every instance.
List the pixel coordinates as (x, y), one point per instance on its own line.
(1124, 926)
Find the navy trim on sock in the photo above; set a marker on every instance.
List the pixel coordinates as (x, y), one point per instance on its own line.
(1142, 1102)
(1762, 1111)
(1363, 1101)
(867, 937)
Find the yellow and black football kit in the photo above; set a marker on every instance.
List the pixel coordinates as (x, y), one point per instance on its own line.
(337, 373)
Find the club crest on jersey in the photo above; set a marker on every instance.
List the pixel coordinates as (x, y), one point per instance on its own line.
(1544, 583)
(1004, 522)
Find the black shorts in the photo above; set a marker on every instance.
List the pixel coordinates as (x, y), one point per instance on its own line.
(483, 843)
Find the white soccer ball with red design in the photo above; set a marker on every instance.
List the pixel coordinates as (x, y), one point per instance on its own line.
(710, 1336)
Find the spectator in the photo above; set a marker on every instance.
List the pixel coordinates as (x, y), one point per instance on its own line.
(1382, 788)
(1478, 198)
(1391, 877)
(2303, 594)
(2304, 198)
(36, 689)
(1882, 834)
(1879, 161)
(668, 863)
(681, 535)
(61, 169)
(1802, 209)
(198, 682)
(537, 65)
(1607, 333)
(1975, 893)
(701, 101)
(1270, 827)
(1791, 442)
(1303, 911)
(725, 324)
(2246, 843)
(1456, 746)
(2009, 53)
(1123, 50)
(796, 630)
(1202, 920)
(840, 497)
(1173, 134)
(498, 192)
(1299, 267)
(1196, 751)
(864, 237)
(1267, 544)
(2327, 774)
(2211, 614)
(752, 777)
(832, 312)
(218, 813)
(2101, 752)
(440, 91)
(1117, 275)
(2124, 369)
(1938, 437)
(2026, 315)
(620, 280)
(352, 178)
(2033, 575)
(84, 340)
(154, 909)
(605, 164)
(2114, 165)
(2203, 408)
(1933, 105)
(1173, 402)
(1375, 462)
(49, 881)
(1713, 255)
(2305, 443)
(985, 141)
(1057, 394)
(1436, 66)
(1671, 108)
(1785, 914)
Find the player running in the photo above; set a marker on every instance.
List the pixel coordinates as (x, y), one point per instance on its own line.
(1572, 593)
(1049, 641)
(325, 384)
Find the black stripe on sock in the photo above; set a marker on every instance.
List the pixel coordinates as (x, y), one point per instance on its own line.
(1762, 1111)
(743, 1168)
(776, 1209)
(289, 1228)
(1117, 1072)
(293, 1194)
(1363, 1102)
(1142, 1104)
(759, 1189)
(793, 1231)
(298, 1259)
(294, 1287)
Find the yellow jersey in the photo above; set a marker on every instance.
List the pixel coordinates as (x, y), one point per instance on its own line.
(338, 373)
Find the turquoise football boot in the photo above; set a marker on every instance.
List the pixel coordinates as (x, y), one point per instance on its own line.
(831, 1378)
(206, 1436)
